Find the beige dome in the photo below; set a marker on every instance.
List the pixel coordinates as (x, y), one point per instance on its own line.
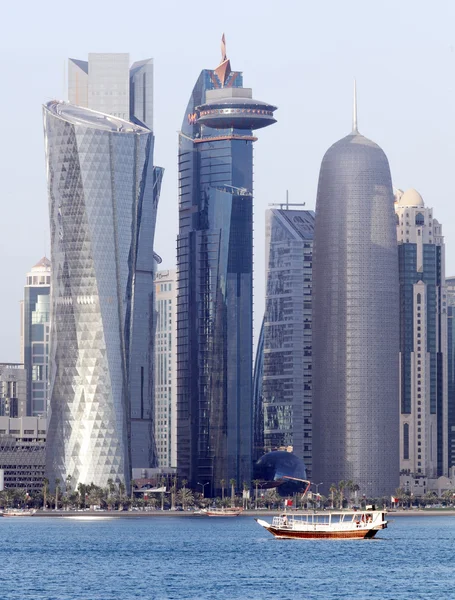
(411, 197)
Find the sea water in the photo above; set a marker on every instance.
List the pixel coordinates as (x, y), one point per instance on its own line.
(163, 558)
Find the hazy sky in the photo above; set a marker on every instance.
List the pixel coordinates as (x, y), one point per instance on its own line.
(301, 56)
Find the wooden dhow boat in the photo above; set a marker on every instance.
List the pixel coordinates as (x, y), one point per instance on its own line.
(11, 512)
(319, 524)
(222, 512)
(352, 524)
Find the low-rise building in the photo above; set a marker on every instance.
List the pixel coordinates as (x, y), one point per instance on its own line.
(13, 390)
(22, 452)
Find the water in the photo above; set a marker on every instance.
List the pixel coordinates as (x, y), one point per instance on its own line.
(162, 558)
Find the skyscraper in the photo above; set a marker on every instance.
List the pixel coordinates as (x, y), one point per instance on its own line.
(165, 368)
(287, 370)
(355, 320)
(423, 339)
(107, 84)
(103, 194)
(214, 260)
(450, 291)
(35, 324)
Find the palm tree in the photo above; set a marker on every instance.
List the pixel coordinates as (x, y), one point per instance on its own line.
(232, 483)
(223, 484)
(185, 497)
(349, 486)
(82, 489)
(333, 490)
(45, 491)
(57, 489)
(245, 495)
(173, 490)
(163, 484)
(256, 483)
(355, 489)
(341, 487)
(271, 497)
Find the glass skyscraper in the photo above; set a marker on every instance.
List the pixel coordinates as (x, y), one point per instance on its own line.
(287, 369)
(103, 194)
(35, 323)
(355, 320)
(423, 339)
(214, 271)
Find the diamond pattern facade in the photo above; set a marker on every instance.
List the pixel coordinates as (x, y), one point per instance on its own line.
(102, 203)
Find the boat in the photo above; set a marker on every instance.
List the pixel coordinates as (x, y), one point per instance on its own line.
(348, 524)
(320, 524)
(18, 513)
(222, 512)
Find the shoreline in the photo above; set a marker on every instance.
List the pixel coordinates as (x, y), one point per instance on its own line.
(247, 513)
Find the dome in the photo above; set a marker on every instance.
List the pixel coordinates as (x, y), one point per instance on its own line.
(273, 468)
(411, 197)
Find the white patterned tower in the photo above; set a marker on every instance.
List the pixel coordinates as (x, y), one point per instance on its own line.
(103, 193)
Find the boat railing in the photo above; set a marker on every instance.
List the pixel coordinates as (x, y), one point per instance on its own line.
(340, 521)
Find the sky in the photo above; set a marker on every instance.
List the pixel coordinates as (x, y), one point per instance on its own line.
(299, 55)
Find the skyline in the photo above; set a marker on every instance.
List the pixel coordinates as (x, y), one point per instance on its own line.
(298, 72)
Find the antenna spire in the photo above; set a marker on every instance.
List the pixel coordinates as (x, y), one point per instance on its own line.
(354, 110)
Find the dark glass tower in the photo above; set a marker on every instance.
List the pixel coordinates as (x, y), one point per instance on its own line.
(287, 370)
(214, 260)
(355, 320)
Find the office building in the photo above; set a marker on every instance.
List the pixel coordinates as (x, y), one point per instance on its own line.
(423, 339)
(214, 274)
(13, 390)
(103, 194)
(355, 320)
(450, 293)
(35, 322)
(22, 452)
(165, 368)
(107, 84)
(258, 403)
(287, 370)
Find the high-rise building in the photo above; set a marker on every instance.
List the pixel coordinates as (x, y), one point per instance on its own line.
(450, 292)
(103, 194)
(287, 370)
(214, 271)
(13, 390)
(166, 368)
(35, 324)
(258, 404)
(423, 339)
(355, 320)
(107, 84)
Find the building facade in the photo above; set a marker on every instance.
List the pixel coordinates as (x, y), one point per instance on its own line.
(287, 370)
(450, 291)
(355, 320)
(215, 285)
(103, 194)
(22, 452)
(35, 322)
(13, 390)
(166, 368)
(107, 84)
(423, 339)
(258, 403)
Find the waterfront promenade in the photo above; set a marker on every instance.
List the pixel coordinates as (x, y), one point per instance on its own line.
(246, 513)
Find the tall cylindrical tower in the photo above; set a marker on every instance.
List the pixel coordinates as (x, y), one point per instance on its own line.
(356, 320)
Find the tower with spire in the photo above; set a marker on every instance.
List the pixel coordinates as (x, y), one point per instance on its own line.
(215, 278)
(355, 319)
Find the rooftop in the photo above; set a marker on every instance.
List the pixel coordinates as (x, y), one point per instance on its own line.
(78, 115)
